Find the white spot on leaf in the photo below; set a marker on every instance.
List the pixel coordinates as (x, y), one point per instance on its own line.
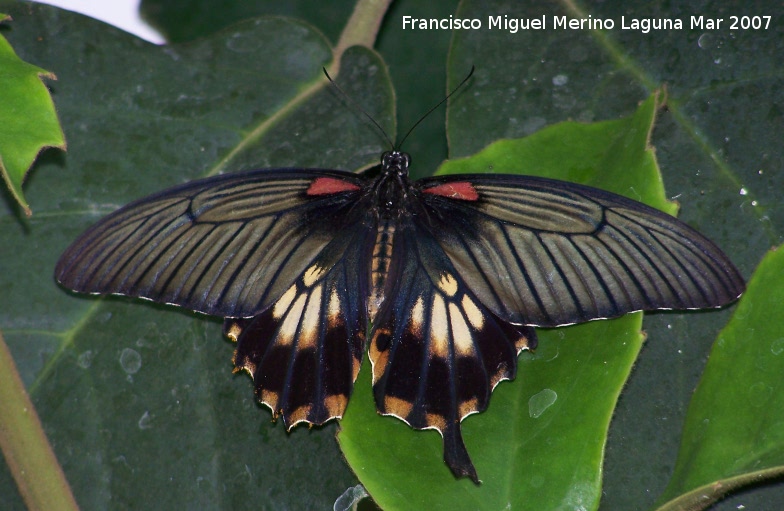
(130, 360)
(540, 402)
(85, 359)
(146, 421)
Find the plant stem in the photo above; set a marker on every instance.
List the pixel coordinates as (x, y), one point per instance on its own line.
(27, 452)
(362, 27)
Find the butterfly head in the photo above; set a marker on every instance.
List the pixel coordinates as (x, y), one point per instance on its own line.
(396, 162)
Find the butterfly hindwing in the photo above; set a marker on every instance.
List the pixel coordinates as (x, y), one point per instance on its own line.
(304, 351)
(228, 245)
(549, 253)
(437, 352)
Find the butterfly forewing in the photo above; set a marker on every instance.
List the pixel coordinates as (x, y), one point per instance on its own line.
(227, 246)
(548, 253)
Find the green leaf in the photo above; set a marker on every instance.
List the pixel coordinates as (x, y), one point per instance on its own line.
(733, 434)
(28, 121)
(186, 20)
(540, 443)
(538, 446)
(418, 75)
(613, 155)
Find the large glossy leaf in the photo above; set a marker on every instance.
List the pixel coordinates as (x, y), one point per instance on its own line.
(419, 75)
(186, 20)
(734, 434)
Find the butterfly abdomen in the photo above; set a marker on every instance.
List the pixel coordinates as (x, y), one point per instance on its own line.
(379, 267)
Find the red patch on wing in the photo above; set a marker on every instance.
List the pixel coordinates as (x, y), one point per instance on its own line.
(461, 190)
(330, 185)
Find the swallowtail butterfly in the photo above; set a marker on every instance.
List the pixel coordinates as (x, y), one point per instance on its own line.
(441, 279)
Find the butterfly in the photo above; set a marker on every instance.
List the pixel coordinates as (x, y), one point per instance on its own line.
(441, 280)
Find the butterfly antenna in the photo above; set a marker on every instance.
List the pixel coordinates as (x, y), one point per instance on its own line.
(470, 73)
(357, 106)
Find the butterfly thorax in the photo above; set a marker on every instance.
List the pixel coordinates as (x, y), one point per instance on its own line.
(392, 185)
